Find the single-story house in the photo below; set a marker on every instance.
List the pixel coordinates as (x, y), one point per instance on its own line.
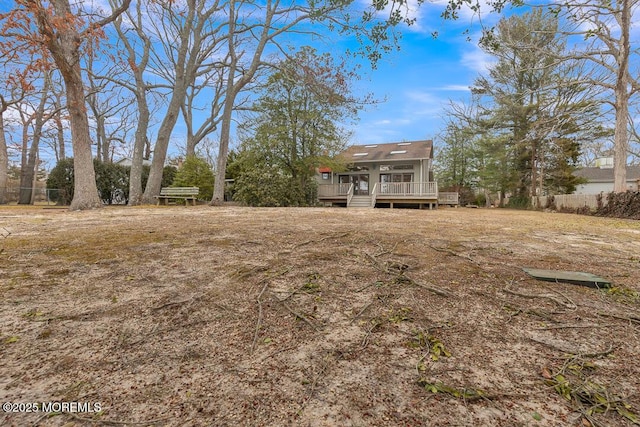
(391, 174)
(600, 179)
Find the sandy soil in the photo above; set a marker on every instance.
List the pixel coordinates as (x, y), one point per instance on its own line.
(198, 316)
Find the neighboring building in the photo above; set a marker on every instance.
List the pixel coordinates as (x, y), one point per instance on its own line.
(127, 162)
(399, 173)
(600, 178)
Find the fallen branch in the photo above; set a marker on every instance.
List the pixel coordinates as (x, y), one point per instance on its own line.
(361, 311)
(571, 305)
(116, 423)
(322, 240)
(631, 319)
(434, 290)
(573, 352)
(259, 321)
(548, 328)
(384, 252)
(453, 253)
(169, 304)
(300, 316)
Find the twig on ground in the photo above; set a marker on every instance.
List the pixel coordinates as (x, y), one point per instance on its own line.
(631, 319)
(434, 290)
(573, 352)
(273, 353)
(450, 252)
(384, 252)
(171, 303)
(117, 423)
(259, 321)
(300, 316)
(573, 326)
(322, 240)
(571, 305)
(361, 311)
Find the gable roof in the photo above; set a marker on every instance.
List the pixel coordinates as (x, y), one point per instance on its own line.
(404, 150)
(606, 174)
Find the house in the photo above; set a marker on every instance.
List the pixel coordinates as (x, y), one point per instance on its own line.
(392, 174)
(127, 161)
(600, 178)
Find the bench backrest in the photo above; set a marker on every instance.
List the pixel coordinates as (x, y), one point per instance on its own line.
(179, 191)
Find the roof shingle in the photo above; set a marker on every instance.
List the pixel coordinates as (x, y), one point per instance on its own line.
(407, 150)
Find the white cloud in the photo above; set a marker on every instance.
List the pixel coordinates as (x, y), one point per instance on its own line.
(455, 88)
(477, 60)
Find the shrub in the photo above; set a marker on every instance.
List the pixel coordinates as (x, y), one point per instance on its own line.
(196, 172)
(168, 175)
(112, 181)
(262, 187)
(60, 182)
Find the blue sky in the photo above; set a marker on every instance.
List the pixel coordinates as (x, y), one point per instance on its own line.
(420, 79)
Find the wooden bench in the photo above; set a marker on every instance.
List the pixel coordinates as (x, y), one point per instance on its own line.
(185, 193)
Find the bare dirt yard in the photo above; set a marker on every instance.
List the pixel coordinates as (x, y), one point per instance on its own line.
(198, 316)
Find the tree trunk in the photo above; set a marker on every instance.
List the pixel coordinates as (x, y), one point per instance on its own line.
(621, 138)
(4, 162)
(60, 152)
(223, 151)
(30, 161)
(85, 191)
(162, 144)
(28, 172)
(184, 74)
(63, 41)
(135, 177)
(191, 145)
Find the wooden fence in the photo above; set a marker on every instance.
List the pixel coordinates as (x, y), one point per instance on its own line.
(569, 201)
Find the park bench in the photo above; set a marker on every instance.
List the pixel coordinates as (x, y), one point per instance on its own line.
(185, 193)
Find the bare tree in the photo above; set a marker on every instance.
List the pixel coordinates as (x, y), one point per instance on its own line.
(35, 120)
(253, 29)
(11, 97)
(57, 31)
(190, 36)
(608, 25)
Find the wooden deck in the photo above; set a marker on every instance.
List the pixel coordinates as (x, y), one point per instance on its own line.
(389, 193)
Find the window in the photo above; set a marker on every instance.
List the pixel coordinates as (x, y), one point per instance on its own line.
(384, 168)
(396, 177)
(326, 175)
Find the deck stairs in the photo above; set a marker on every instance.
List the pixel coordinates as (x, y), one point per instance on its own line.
(360, 202)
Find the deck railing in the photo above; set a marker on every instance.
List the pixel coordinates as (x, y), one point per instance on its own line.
(427, 189)
(374, 194)
(349, 193)
(333, 190)
(448, 198)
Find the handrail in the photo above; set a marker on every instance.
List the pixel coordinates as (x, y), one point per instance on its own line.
(350, 194)
(332, 190)
(409, 188)
(373, 195)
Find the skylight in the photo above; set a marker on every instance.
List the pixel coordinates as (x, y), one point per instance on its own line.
(399, 152)
(404, 143)
(360, 154)
(370, 146)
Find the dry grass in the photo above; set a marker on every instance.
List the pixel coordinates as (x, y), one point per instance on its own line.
(234, 316)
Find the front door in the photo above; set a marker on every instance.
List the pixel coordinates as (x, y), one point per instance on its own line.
(360, 183)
